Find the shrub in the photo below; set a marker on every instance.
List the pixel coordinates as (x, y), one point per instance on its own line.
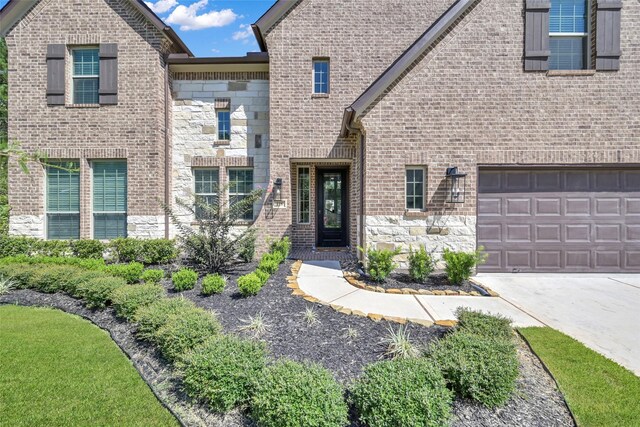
(16, 245)
(263, 275)
(19, 272)
(479, 368)
(152, 317)
(184, 331)
(282, 247)
(86, 248)
(380, 262)
(125, 250)
(71, 284)
(409, 393)
(420, 264)
(220, 372)
(128, 299)
(269, 266)
(249, 284)
(89, 264)
(97, 292)
(131, 272)
(152, 276)
(12, 246)
(213, 284)
(51, 278)
(184, 279)
(158, 251)
(215, 242)
(247, 247)
(459, 265)
(290, 394)
(6, 284)
(483, 324)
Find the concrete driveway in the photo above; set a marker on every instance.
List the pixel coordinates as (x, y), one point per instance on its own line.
(601, 311)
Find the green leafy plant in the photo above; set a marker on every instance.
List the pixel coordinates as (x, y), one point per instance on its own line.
(21, 273)
(184, 331)
(51, 279)
(290, 394)
(131, 272)
(408, 393)
(86, 248)
(479, 368)
(483, 324)
(213, 284)
(97, 293)
(282, 247)
(184, 279)
(310, 316)
(221, 370)
(269, 265)
(126, 250)
(247, 247)
(152, 276)
(263, 275)
(152, 317)
(7, 284)
(89, 264)
(459, 265)
(420, 264)
(215, 242)
(128, 299)
(398, 344)
(71, 284)
(249, 284)
(158, 251)
(256, 325)
(380, 262)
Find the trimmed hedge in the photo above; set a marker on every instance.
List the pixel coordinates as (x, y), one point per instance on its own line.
(213, 284)
(153, 276)
(53, 278)
(89, 264)
(250, 284)
(409, 392)
(131, 272)
(85, 248)
(152, 317)
(290, 394)
(128, 299)
(147, 251)
(220, 372)
(98, 292)
(483, 324)
(184, 331)
(184, 279)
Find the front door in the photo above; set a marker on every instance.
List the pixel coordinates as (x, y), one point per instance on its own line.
(332, 207)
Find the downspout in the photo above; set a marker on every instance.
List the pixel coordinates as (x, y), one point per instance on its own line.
(167, 144)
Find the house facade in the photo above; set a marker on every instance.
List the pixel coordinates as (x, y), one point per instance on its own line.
(446, 124)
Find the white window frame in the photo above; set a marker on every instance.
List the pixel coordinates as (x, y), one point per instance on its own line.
(424, 188)
(587, 36)
(46, 199)
(229, 193)
(218, 111)
(193, 173)
(299, 195)
(74, 76)
(313, 75)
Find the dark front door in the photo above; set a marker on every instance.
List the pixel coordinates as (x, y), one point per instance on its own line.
(332, 207)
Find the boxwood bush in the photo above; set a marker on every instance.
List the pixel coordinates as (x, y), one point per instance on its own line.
(290, 394)
(89, 264)
(21, 273)
(459, 265)
(483, 324)
(147, 251)
(152, 317)
(131, 272)
(250, 284)
(420, 264)
(97, 293)
(476, 367)
(380, 262)
(86, 248)
(408, 393)
(128, 299)
(152, 276)
(51, 278)
(220, 372)
(71, 284)
(213, 284)
(184, 279)
(281, 247)
(185, 330)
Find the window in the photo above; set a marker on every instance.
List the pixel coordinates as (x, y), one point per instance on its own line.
(415, 188)
(304, 193)
(224, 125)
(568, 34)
(63, 200)
(240, 185)
(109, 199)
(321, 76)
(86, 74)
(206, 190)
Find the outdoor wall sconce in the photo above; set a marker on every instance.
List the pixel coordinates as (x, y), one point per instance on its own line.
(455, 185)
(277, 190)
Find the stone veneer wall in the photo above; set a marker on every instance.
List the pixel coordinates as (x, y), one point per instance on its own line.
(195, 142)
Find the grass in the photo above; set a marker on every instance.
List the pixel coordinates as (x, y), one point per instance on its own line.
(60, 370)
(599, 391)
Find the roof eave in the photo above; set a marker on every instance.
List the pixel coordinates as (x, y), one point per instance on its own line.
(269, 19)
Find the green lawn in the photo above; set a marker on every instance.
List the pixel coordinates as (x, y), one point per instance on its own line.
(60, 370)
(599, 391)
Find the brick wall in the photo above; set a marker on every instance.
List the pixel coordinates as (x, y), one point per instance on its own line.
(133, 129)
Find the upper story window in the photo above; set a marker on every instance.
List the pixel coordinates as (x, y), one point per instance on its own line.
(224, 124)
(321, 76)
(86, 75)
(415, 188)
(568, 34)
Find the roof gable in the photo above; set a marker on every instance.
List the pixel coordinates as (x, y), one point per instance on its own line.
(15, 10)
(270, 18)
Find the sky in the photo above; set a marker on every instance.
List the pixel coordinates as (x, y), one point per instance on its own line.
(211, 27)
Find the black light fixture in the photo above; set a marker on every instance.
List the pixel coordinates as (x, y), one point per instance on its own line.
(455, 185)
(277, 190)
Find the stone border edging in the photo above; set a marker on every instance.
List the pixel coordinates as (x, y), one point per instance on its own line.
(292, 283)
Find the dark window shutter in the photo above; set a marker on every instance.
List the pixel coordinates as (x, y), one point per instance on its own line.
(55, 74)
(536, 39)
(608, 35)
(108, 74)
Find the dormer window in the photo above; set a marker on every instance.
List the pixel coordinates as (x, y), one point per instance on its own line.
(86, 75)
(568, 34)
(321, 76)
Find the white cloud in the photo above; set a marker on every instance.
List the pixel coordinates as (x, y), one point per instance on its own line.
(162, 6)
(188, 18)
(214, 50)
(245, 34)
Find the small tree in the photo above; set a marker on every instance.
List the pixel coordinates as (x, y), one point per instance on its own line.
(216, 240)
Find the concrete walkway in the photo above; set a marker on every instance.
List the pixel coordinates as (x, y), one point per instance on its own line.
(601, 311)
(324, 280)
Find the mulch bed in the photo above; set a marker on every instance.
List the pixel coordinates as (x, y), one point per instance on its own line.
(342, 344)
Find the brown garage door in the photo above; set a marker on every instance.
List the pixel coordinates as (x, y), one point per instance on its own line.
(571, 220)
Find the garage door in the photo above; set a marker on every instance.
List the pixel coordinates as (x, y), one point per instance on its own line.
(571, 220)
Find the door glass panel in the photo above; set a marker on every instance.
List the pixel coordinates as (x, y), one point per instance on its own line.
(332, 184)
